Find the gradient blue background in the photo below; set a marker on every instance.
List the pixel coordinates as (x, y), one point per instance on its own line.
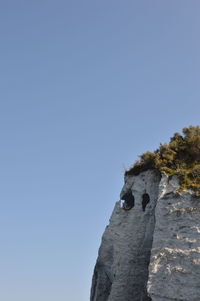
(85, 87)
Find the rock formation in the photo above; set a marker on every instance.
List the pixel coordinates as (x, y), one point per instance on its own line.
(151, 248)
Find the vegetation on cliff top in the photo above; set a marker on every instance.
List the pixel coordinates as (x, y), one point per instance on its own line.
(181, 157)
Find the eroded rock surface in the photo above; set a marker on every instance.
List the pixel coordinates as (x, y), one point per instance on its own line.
(121, 270)
(150, 251)
(174, 271)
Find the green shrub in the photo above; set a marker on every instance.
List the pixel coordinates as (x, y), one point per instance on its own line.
(181, 156)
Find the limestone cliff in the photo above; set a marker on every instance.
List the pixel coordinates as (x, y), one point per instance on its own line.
(151, 248)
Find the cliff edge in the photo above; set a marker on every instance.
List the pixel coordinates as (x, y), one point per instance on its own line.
(151, 248)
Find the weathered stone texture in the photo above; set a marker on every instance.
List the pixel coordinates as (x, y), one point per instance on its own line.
(152, 254)
(121, 270)
(174, 271)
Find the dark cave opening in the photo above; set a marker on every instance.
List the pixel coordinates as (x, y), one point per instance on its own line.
(129, 200)
(145, 200)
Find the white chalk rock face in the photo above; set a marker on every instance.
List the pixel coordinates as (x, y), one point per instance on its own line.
(151, 248)
(174, 270)
(121, 270)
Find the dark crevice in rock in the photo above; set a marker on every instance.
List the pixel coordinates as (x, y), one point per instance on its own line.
(101, 284)
(145, 200)
(129, 200)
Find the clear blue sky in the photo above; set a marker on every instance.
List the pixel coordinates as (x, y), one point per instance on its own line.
(86, 86)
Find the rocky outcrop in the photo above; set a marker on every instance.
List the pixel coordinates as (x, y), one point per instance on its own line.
(151, 248)
(174, 270)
